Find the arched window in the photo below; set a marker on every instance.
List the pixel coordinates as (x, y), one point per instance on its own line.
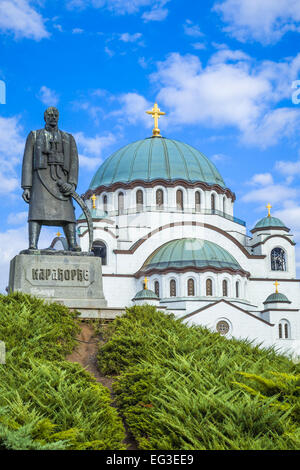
(159, 199)
(284, 329)
(237, 289)
(139, 200)
(191, 287)
(172, 288)
(156, 288)
(213, 202)
(105, 203)
(224, 205)
(121, 203)
(179, 199)
(278, 260)
(99, 249)
(197, 201)
(225, 288)
(209, 290)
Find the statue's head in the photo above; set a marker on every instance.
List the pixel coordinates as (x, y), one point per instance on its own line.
(51, 116)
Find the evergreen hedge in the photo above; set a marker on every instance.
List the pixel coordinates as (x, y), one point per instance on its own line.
(181, 388)
(45, 401)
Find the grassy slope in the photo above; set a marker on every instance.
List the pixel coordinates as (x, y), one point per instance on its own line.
(177, 387)
(46, 402)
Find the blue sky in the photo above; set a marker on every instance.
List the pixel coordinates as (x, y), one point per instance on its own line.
(222, 70)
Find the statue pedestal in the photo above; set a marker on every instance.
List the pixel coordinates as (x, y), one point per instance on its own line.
(71, 278)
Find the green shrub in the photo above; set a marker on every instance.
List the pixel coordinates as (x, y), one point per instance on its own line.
(45, 401)
(176, 387)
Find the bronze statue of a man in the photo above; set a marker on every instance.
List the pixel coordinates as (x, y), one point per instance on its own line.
(49, 175)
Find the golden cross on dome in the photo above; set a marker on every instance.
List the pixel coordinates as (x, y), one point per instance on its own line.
(93, 198)
(58, 234)
(145, 283)
(156, 113)
(269, 207)
(276, 284)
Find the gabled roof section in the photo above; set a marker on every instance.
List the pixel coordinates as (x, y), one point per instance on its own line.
(229, 303)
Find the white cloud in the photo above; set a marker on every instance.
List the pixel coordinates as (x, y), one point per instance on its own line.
(22, 20)
(127, 37)
(122, 7)
(265, 21)
(198, 46)
(262, 179)
(91, 148)
(77, 31)
(11, 149)
(156, 14)
(288, 168)
(20, 242)
(17, 218)
(133, 109)
(48, 97)
(192, 29)
(274, 193)
(231, 90)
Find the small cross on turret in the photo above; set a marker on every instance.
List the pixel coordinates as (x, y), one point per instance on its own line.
(93, 198)
(269, 207)
(276, 284)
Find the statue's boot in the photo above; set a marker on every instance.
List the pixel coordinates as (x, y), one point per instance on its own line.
(34, 233)
(70, 233)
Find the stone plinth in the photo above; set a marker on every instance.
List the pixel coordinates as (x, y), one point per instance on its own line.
(71, 278)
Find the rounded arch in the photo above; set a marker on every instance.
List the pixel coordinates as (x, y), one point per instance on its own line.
(209, 287)
(198, 200)
(237, 289)
(139, 199)
(225, 288)
(99, 248)
(278, 259)
(213, 201)
(121, 202)
(191, 287)
(157, 287)
(105, 203)
(159, 198)
(179, 199)
(224, 204)
(284, 329)
(173, 287)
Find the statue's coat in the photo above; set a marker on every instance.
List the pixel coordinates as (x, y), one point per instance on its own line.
(47, 204)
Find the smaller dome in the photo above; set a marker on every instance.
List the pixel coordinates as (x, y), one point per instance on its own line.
(268, 222)
(145, 294)
(277, 297)
(190, 253)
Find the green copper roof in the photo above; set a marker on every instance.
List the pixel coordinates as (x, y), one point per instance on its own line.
(190, 252)
(269, 222)
(145, 294)
(95, 213)
(276, 297)
(156, 158)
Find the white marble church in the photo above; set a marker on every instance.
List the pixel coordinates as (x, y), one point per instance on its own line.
(165, 229)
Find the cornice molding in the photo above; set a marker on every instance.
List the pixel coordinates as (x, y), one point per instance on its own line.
(138, 243)
(160, 182)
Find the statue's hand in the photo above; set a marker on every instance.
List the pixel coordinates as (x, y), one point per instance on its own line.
(66, 188)
(26, 195)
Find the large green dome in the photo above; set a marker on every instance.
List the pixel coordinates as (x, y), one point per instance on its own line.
(190, 253)
(156, 158)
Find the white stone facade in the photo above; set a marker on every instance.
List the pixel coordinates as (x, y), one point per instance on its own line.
(132, 232)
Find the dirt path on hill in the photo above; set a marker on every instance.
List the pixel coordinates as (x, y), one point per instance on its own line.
(86, 355)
